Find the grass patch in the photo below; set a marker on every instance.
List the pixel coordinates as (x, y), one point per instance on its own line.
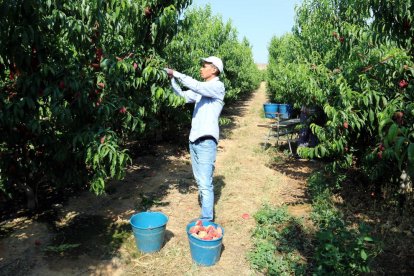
(281, 243)
(332, 246)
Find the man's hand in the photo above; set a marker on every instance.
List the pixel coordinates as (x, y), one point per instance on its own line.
(169, 72)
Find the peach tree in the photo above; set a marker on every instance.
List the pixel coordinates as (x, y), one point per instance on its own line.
(77, 78)
(355, 60)
(214, 37)
(202, 34)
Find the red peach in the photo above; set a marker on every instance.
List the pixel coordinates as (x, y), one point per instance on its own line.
(379, 154)
(403, 83)
(398, 117)
(346, 124)
(99, 53)
(147, 11)
(122, 110)
(245, 216)
(217, 234)
(399, 114)
(209, 228)
(202, 234)
(95, 66)
(201, 228)
(208, 237)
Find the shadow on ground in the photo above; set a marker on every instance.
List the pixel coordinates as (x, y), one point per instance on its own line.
(388, 216)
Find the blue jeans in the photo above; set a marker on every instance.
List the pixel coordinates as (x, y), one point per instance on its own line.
(203, 156)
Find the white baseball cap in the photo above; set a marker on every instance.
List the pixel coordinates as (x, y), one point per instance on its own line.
(215, 61)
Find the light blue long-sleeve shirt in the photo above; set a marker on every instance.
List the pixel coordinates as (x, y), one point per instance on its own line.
(208, 97)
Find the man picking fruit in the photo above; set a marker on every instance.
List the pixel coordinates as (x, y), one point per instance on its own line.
(208, 97)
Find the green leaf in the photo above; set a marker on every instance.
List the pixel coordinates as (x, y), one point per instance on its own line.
(383, 123)
(392, 133)
(121, 158)
(410, 151)
(364, 255)
(369, 239)
(371, 116)
(311, 154)
(398, 144)
(95, 161)
(323, 151)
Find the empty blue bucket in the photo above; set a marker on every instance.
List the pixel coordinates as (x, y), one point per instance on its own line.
(149, 230)
(270, 110)
(285, 110)
(205, 253)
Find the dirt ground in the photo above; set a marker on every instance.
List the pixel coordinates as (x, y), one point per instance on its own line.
(90, 235)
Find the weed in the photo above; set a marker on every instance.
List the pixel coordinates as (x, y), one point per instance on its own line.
(283, 246)
(280, 243)
(118, 237)
(61, 248)
(340, 248)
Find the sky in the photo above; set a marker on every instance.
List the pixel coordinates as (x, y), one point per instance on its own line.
(257, 20)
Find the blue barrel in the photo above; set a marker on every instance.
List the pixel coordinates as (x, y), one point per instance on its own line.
(270, 109)
(205, 253)
(149, 230)
(285, 110)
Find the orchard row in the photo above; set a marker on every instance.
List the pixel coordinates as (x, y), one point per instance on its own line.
(81, 79)
(354, 60)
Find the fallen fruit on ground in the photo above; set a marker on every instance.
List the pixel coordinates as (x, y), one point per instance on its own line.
(245, 216)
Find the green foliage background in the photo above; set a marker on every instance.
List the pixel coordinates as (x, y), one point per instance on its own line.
(79, 80)
(355, 60)
(203, 34)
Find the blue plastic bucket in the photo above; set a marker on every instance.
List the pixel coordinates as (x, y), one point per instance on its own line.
(149, 230)
(270, 109)
(285, 110)
(205, 253)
